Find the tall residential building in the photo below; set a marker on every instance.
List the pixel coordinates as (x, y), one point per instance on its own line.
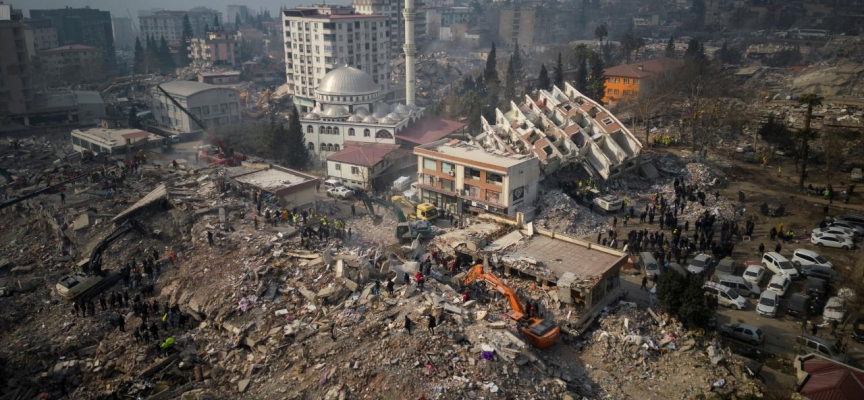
(39, 35)
(440, 19)
(217, 48)
(393, 9)
(124, 35)
(215, 105)
(72, 62)
(517, 23)
(169, 24)
(85, 26)
(15, 93)
(321, 38)
(234, 11)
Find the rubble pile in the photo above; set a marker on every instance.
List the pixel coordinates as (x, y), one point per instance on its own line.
(560, 213)
(634, 354)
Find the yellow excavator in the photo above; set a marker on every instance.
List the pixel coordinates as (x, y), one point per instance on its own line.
(259, 105)
(424, 211)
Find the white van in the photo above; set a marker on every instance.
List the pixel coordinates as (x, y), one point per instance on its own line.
(332, 183)
(779, 265)
(739, 285)
(724, 295)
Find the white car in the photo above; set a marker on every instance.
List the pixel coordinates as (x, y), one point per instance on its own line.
(699, 263)
(828, 240)
(768, 304)
(847, 225)
(804, 257)
(754, 274)
(836, 231)
(779, 284)
(340, 192)
(745, 332)
(835, 309)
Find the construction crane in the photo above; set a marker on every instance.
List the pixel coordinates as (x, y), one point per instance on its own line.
(541, 333)
(405, 229)
(91, 280)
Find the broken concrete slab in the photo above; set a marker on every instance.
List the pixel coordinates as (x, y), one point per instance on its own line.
(242, 385)
(81, 222)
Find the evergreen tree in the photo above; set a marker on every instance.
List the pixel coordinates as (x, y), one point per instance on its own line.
(491, 73)
(582, 75)
(510, 81)
(517, 59)
(472, 103)
(139, 66)
(206, 28)
(468, 85)
(559, 72)
(132, 118)
(480, 87)
(215, 22)
(694, 51)
(670, 47)
(296, 154)
(166, 60)
(596, 83)
(543, 81)
(237, 21)
(151, 56)
(187, 27)
(184, 40)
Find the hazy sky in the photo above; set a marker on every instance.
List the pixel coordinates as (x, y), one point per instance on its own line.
(119, 7)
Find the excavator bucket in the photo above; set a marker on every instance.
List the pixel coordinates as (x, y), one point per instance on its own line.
(376, 219)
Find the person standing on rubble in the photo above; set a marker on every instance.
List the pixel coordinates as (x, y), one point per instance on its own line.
(102, 302)
(644, 283)
(210, 238)
(408, 324)
(431, 323)
(389, 287)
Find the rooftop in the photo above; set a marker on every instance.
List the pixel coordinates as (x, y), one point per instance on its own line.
(363, 154)
(113, 137)
(827, 379)
(187, 88)
(466, 153)
(643, 69)
(347, 81)
(277, 180)
(561, 256)
(71, 47)
(222, 73)
(429, 129)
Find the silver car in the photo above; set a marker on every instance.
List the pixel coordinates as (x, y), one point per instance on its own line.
(768, 304)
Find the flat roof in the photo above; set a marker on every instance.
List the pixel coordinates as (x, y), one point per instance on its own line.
(561, 256)
(88, 97)
(465, 153)
(428, 129)
(113, 137)
(186, 88)
(225, 73)
(278, 180)
(71, 47)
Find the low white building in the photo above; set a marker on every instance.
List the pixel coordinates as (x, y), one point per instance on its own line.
(114, 141)
(215, 105)
(293, 188)
(361, 164)
(464, 178)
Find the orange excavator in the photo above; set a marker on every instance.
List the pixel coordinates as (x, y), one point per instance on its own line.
(541, 333)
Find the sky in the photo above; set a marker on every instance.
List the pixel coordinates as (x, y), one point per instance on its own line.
(118, 7)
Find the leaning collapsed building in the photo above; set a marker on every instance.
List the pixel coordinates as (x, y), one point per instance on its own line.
(561, 128)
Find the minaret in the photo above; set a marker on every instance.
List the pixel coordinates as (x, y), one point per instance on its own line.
(410, 49)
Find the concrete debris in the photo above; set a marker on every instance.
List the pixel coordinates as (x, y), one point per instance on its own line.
(560, 213)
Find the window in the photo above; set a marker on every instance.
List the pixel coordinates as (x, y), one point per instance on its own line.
(335, 130)
(430, 164)
(448, 168)
(329, 130)
(367, 133)
(335, 147)
(310, 129)
(355, 170)
(494, 179)
(350, 131)
(329, 147)
(338, 167)
(616, 91)
(473, 191)
(448, 185)
(473, 174)
(607, 121)
(626, 81)
(205, 110)
(493, 196)
(311, 145)
(608, 91)
(321, 130)
(322, 147)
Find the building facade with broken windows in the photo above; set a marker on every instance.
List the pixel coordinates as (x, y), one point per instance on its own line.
(563, 127)
(462, 177)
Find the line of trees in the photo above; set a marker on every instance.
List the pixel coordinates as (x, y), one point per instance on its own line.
(269, 139)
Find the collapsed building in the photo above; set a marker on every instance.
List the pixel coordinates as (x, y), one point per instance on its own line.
(564, 128)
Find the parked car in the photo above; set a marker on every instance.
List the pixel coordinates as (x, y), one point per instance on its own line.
(828, 240)
(725, 266)
(744, 332)
(811, 344)
(754, 274)
(779, 265)
(700, 264)
(859, 230)
(725, 296)
(836, 231)
(835, 309)
(768, 304)
(855, 219)
(803, 257)
(816, 271)
(739, 285)
(858, 329)
(340, 192)
(779, 284)
(817, 287)
(798, 306)
(332, 183)
(650, 265)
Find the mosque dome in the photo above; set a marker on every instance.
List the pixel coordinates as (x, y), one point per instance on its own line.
(361, 111)
(401, 109)
(394, 116)
(386, 120)
(312, 115)
(347, 81)
(355, 118)
(335, 112)
(370, 120)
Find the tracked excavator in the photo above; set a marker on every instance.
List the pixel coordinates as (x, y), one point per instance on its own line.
(405, 230)
(541, 333)
(92, 280)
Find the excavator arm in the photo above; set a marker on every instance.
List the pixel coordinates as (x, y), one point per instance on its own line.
(368, 200)
(517, 312)
(95, 263)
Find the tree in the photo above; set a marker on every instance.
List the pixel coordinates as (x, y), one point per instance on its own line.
(510, 81)
(628, 45)
(596, 82)
(237, 21)
(215, 22)
(490, 74)
(517, 59)
(682, 297)
(776, 133)
(601, 32)
(670, 48)
(139, 66)
(296, 154)
(543, 81)
(166, 61)
(184, 40)
(132, 118)
(807, 134)
(582, 68)
(151, 56)
(559, 72)
(187, 27)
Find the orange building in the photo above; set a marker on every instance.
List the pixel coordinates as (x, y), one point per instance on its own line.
(625, 81)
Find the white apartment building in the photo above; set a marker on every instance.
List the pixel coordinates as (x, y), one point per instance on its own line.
(169, 24)
(215, 48)
(393, 9)
(465, 178)
(39, 35)
(322, 38)
(215, 105)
